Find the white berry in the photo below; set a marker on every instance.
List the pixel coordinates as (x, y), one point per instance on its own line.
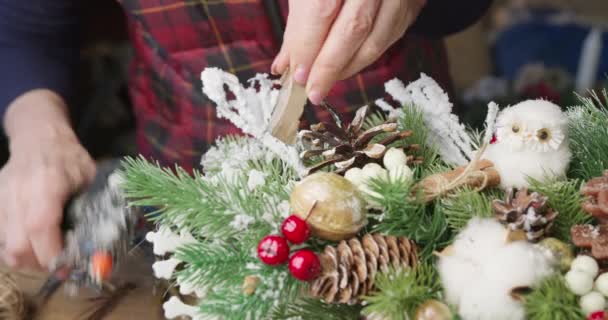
(401, 173)
(585, 264)
(355, 176)
(592, 302)
(394, 158)
(579, 282)
(373, 171)
(601, 284)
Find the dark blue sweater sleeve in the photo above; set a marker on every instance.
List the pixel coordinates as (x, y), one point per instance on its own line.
(441, 18)
(39, 43)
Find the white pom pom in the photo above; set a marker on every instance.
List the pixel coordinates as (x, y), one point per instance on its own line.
(592, 302)
(585, 264)
(601, 284)
(579, 282)
(355, 176)
(373, 171)
(401, 173)
(394, 158)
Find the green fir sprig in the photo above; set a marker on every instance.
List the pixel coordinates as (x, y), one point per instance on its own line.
(465, 204)
(315, 309)
(413, 119)
(552, 300)
(564, 197)
(588, 136)
(403, 214)
(400, 291)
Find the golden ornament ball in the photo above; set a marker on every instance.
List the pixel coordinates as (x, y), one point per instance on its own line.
(339, 209)
(433, 310)
(560, 250)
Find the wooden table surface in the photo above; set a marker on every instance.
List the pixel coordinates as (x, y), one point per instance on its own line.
(144, 302)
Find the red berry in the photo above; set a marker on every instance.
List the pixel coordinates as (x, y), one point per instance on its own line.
(295, 229)
(598, 315)
(273, 250)
(494, 139)
(304, 265)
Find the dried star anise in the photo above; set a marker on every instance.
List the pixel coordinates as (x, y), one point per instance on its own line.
(348, 146)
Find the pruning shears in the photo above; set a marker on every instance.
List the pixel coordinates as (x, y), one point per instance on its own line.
(98, 229)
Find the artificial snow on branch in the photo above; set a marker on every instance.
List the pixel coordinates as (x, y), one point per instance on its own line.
(175, 308)
(166, 241)
(250, 110)
(490, 122)
(446, 132)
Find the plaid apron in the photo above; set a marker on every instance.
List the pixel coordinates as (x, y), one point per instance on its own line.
(174, 40)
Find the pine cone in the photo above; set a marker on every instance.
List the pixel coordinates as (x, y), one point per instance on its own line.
(351, 146)
(348, 271)
(596, 204)
(527, 212)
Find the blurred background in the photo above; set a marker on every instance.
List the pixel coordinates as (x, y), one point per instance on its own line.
(521, 49)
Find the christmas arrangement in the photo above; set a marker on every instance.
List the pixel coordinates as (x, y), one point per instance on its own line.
(401, 213)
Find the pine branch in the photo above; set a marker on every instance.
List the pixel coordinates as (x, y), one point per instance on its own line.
(552, 300)
(413, 119)
(277, 289)
(404, 216)
(563, 196)
(209, 265)
(207, 205)
(399, 292)
(588, 135)
(314, 309)
(466, 204)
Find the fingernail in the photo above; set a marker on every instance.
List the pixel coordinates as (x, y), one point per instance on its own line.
(300, 75)
(315, 96)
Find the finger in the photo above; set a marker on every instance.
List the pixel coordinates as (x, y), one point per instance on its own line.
(393, 19)
(43, 225)
(307, 27)
(349, 31)
(281, 62)
(18, 250)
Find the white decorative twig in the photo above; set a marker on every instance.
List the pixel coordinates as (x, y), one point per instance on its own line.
(165, 241)
(250, 110)
(174, 308)
(490, 123)
(446, 132)
(164, 269)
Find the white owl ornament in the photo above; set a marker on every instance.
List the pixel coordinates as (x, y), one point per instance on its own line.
(531, 142)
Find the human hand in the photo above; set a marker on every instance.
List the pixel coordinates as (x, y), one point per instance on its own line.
(47, 165)
(330, 40)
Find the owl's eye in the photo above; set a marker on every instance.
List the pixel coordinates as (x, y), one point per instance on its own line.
(543, 134)
(515, 128)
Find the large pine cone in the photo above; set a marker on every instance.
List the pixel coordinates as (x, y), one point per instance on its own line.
(348, 146)
(348, 271)
(527, 212)
(596, 204)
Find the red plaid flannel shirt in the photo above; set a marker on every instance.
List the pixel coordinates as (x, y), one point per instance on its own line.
(174, 40)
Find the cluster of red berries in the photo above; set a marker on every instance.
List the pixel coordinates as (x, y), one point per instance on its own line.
(274, 250)
(598, 315)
